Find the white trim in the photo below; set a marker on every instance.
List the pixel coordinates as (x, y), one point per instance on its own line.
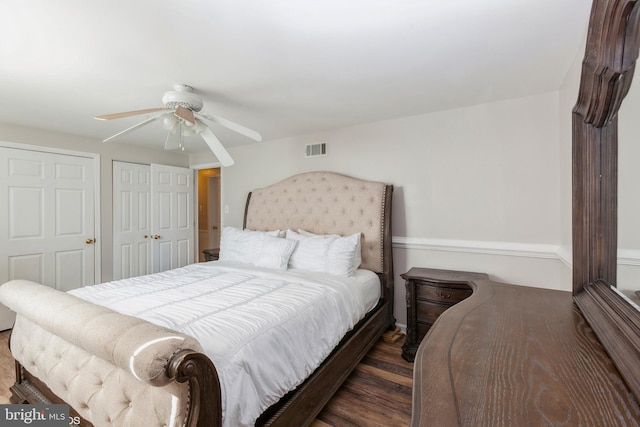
(565, 254)
(527, 250)
(45, 149)
(628, 257)
(403, 327)
(98, 225)
(212, 165)
(97, 196)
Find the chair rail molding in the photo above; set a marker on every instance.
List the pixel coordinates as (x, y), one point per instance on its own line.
(526, 250)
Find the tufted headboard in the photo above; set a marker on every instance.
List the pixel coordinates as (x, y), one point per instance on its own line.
(328, 203)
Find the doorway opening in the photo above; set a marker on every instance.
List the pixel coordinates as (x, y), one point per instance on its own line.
(208, 210)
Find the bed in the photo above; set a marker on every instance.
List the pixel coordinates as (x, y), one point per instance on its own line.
(117, 361)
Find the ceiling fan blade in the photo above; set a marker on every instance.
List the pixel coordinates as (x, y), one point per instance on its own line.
(129, 113)
(233, 126)
(216, 147)
(134, 127)
(185, 114)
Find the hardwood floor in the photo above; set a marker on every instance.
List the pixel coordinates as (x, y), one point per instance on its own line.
(376, 394)
(7, 370)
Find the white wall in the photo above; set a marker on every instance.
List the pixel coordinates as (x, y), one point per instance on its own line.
(568, 99)
(108, 153)
(629, 190)
(476, 188)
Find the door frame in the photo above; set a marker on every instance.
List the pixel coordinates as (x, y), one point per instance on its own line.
(95, 157)
(210, 215)
(197, 167)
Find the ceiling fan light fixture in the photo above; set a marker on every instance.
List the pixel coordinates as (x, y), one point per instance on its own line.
(188, 130)
(199, 126)
(183, 96)
(170, 122)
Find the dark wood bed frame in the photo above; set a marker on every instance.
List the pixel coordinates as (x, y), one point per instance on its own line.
(300, 406)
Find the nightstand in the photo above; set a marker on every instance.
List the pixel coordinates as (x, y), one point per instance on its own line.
(429, 293)
(211, 254)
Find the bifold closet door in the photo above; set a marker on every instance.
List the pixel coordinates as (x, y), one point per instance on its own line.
(47, 219)
(153, 220)
(131, 220)
(172, 218)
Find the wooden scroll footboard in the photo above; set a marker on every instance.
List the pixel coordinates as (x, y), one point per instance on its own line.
(135, 374)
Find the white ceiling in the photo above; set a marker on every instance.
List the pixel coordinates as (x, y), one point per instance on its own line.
(281, 67)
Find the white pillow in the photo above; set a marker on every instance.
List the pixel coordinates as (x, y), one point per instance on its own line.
(275, 253)
(358, 250)
(328, 254)
(242, 245)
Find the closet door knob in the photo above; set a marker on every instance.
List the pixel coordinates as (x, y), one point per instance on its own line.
(89, 241)
(155, 236)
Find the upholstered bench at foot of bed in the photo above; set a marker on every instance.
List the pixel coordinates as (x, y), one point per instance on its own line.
(119, 379)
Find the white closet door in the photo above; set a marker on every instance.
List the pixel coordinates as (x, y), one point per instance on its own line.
(172, 220)
(131, 220)
(47, 219)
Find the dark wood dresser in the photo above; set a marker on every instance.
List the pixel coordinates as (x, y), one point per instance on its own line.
(520, 356)
(517, 356)
(429, 293)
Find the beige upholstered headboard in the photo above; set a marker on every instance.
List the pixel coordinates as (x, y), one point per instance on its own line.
(326, 203)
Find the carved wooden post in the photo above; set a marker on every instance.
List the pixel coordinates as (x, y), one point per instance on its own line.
(205, 403)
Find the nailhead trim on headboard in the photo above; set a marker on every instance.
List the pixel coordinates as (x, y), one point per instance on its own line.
(324, 203)
(382, 221)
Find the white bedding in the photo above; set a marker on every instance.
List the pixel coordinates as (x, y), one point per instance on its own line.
(265, 330)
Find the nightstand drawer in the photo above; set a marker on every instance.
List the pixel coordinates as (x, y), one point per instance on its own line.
(443, 294)
(430, 292)
(428, 312)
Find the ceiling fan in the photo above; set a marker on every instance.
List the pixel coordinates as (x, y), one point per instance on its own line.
(182, 116)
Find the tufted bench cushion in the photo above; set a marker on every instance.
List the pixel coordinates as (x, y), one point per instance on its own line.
(117, 380)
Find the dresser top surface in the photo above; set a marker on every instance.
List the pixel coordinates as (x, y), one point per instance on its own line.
(516, 355)
(420, 273)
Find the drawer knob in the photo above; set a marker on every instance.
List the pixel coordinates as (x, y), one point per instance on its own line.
(444, 295)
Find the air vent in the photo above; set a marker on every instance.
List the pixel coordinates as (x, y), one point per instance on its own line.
(315, 150)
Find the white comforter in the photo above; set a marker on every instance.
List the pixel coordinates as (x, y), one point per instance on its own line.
(265, 331)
